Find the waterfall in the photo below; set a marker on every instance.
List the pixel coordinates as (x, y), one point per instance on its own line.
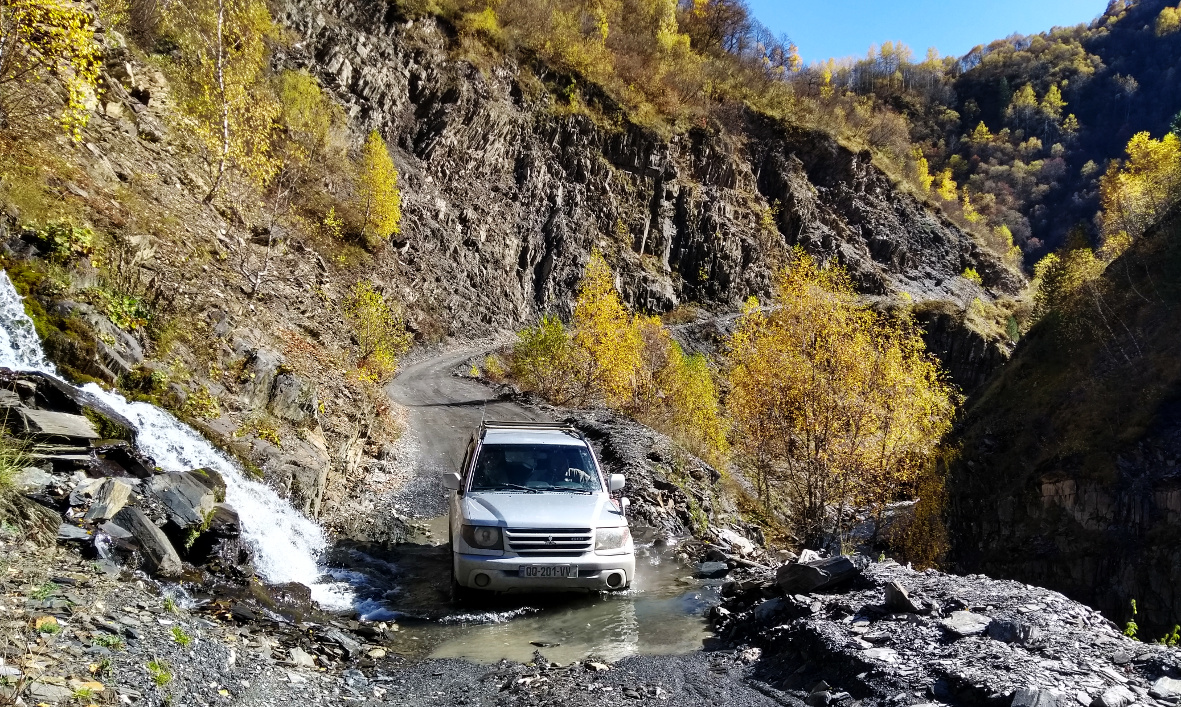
(286, 543)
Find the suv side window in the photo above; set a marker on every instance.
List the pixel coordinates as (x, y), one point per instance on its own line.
(465, 468)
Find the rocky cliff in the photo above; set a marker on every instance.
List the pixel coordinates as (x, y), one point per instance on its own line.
(1069, 472)
(506, 192)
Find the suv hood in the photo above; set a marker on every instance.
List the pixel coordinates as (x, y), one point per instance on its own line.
(541, 510)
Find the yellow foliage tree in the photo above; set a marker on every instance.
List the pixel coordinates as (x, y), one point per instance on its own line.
(542, 360)
(378, 196)
(604, 329)
(222, 80)
(379, 329)
(40, 39)
(1134, 194)
(946, 187)
(832, 404)
(1168, 21)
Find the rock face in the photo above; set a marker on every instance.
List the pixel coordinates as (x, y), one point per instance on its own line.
(504, 200)
(857, 644)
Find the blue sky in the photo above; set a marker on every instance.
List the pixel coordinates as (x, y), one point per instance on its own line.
(840, 28)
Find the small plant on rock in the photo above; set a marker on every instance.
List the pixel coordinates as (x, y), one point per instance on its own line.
(170, 605)
(1131, 628)
(181, 638)
(44, 591)
(202, 403)
(971, 275)
(107, 640)
(160, 672)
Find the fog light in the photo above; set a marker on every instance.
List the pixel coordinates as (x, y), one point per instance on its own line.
(482, 580)
(615, 580)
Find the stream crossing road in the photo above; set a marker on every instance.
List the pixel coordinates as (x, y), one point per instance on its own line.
(443, 411)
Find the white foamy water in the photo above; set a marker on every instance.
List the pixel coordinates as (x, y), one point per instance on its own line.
(286, 543)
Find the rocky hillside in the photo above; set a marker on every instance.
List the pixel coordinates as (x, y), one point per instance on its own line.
(1069, 471)
(507, 192)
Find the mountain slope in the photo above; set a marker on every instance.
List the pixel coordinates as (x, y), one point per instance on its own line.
(1069, 474)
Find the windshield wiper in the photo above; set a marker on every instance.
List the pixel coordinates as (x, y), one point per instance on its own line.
(501, 487)
(564, 488)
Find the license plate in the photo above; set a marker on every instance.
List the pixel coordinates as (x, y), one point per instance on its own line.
(550, 571)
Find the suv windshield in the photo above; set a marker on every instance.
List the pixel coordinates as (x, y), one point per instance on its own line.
(535, 467)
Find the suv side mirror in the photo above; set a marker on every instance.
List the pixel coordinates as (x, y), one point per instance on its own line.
(616, 482)
(451, 481)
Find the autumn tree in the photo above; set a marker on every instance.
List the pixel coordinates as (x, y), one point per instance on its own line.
(222, 78)
(1138, 191)
(832, 404)
(42, 40)
(1023, 108)
(378, 198)
(542, 360)
(604, 330)
(379, 330)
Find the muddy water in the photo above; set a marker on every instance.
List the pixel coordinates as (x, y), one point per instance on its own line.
(663, 612)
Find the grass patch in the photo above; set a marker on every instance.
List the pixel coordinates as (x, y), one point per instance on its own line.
(181, 638)
(160, 672)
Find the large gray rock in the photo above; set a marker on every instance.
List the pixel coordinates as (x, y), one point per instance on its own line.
(110, 498)
(32, 479)
(965, 623)
(186, 496)
(39, 692)
(59, 426)
(1011, 631)
(1117, 696)
(117, 351)
(804, 578)
(1028, 697)
(898, 599)
(158, 554)
(1166, 687)
(293, 399)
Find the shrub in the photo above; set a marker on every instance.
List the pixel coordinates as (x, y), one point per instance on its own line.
(201, 403)
(65, 241)
(971, 275)
(379, 329)
(540, 361)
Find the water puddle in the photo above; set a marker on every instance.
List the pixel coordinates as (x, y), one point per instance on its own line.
(663, 612)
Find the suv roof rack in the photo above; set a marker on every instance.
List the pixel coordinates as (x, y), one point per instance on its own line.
(525, 424)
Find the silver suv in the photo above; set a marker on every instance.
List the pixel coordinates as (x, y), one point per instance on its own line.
(530, 510)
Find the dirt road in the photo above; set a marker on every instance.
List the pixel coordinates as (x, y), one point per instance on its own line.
(444, 410)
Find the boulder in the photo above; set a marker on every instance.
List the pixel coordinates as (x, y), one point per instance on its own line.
(300, 657)
(1117, 696)
(186, 496)
(158, 554)
(110, 498)
(898, 600)
(212, 480)
(32, 479)
(1027, 697)
(965, 623)
(1165, 687)
(72, 533)
(221, 544)
(293, 399)
(805, 578)
(1011, 631)
(44, 424)
(121, 456)
(46, 693)
(737, 543)
(712, 570)
(85, 491)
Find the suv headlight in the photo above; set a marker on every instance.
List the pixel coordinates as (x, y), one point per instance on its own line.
(612, 538)
(484, 537)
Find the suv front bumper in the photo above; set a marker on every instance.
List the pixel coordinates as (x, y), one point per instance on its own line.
(504, 572)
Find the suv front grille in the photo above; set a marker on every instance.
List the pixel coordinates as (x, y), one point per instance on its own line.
(551, 542)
